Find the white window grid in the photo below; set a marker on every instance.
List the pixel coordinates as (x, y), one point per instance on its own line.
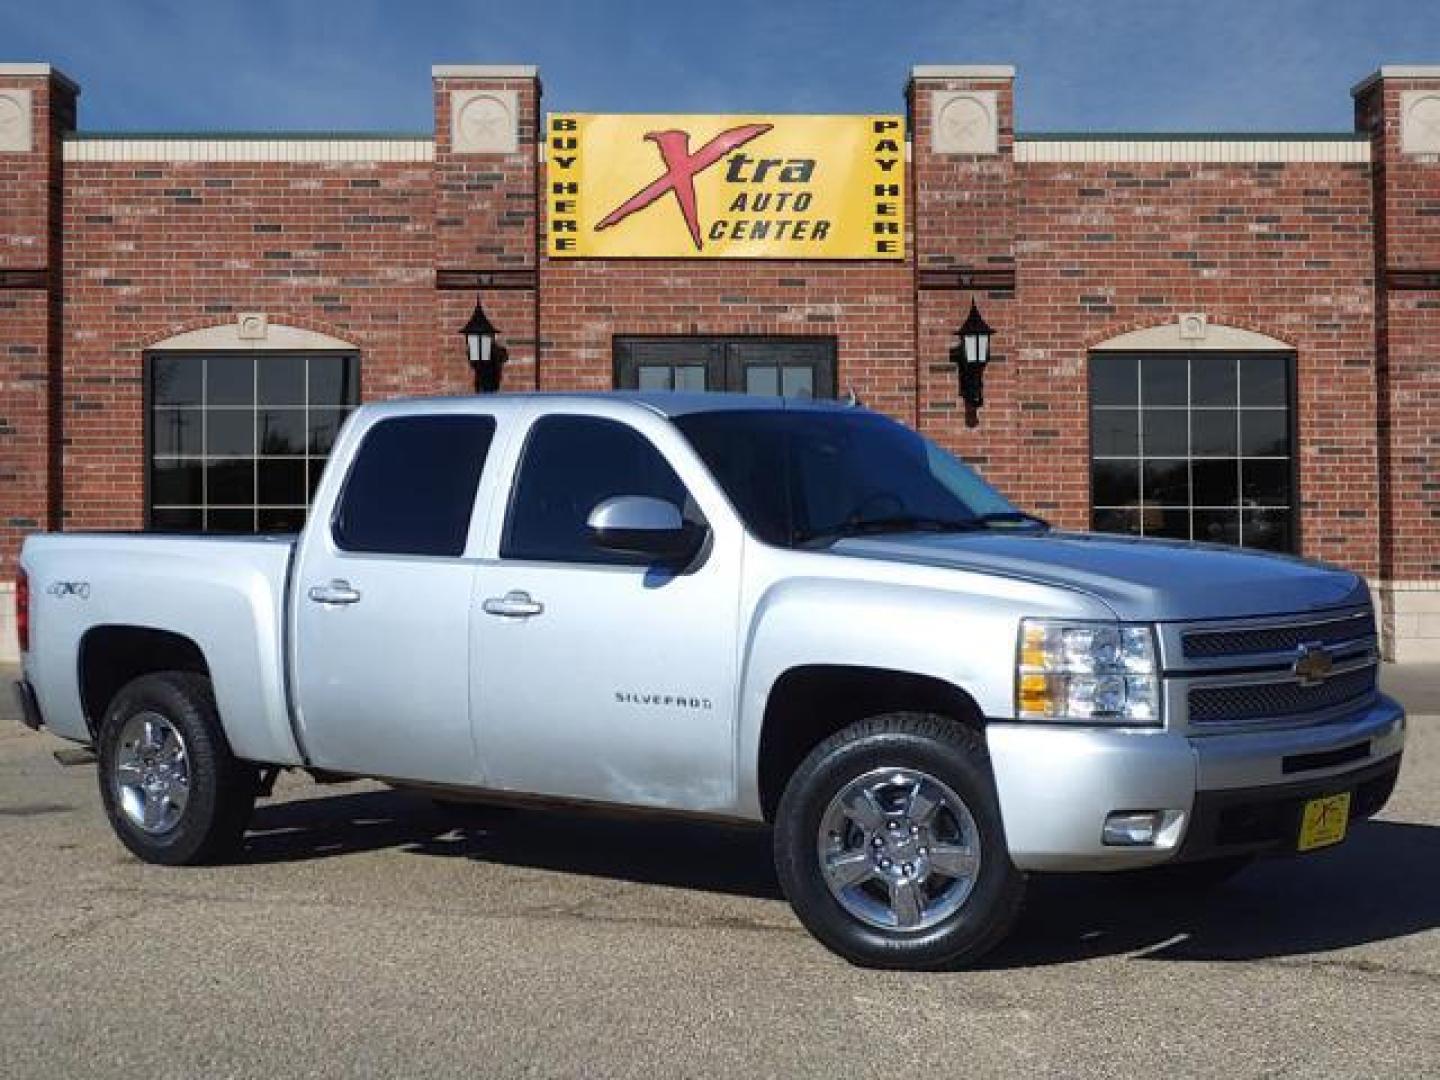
(255, 506)
(1241, 508)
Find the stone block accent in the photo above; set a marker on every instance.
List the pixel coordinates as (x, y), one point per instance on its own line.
(484, 121)
(965, 122)
(1412, 618)
(16, 126)
(1420, 121)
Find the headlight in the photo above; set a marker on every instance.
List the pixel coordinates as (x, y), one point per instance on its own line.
(1090, 672)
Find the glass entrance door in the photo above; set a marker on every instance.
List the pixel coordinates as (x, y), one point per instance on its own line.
(789, 367)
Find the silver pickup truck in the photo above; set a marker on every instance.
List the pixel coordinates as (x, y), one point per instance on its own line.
(793, 613)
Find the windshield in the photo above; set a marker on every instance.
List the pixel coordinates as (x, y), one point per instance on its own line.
(801, 478)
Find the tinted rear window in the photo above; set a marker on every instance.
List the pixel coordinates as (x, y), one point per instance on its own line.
(412, 487)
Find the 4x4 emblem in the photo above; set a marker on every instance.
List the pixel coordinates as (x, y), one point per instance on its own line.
(62, 589)
(1314, 664)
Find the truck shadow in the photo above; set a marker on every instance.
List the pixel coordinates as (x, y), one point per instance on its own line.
(674, 852)
(1384, 883)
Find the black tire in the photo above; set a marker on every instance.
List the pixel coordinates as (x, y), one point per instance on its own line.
(221, 789)
(1188, 877)
(948, 751)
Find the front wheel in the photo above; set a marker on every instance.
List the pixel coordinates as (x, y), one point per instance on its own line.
(173, 791)
(889, 845)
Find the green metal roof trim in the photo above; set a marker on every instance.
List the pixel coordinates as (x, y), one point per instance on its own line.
(1192, 136)
(250, 136)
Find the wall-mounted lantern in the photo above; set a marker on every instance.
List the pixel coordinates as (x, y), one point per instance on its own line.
(970, 355)
(486, 355)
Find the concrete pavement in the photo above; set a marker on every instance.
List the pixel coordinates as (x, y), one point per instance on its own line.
(367, 934)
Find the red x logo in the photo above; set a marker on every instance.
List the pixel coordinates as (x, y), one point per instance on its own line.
(681, 168)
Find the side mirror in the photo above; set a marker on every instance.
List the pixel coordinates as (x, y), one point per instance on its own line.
(639, 525)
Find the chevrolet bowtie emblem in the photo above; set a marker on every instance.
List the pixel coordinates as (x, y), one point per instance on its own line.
(1313, 664)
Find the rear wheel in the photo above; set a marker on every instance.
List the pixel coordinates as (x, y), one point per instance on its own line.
(889, 845)
(173, 791)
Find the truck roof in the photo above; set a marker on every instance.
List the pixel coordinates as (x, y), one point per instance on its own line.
(666, 403)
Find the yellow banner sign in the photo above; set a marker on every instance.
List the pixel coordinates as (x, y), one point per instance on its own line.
(725, 187)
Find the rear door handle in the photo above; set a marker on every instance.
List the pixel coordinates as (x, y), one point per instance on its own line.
(515, 604)
(337, 592)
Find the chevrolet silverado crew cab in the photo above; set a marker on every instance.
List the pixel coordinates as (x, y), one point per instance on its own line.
(788, 612)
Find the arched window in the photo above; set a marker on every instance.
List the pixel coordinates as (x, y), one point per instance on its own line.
(238, 430)
(1194, 441)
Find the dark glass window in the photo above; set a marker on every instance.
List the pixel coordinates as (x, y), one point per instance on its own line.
(801, 477)
(412, 487)
(238, 441)
(1193, 445)
(773, 367)
(572, 464)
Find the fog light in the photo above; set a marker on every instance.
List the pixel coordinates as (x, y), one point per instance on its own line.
(1133, 828)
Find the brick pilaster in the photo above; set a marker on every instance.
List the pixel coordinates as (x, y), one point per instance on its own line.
(964, 195)
(487, 123)
(1400, 109)
(37, 106)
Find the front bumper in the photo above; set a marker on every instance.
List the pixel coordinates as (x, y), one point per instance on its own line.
(29, 707)
(1266, 820)
(1058, 784)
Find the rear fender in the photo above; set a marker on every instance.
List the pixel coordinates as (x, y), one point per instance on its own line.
(228, 599)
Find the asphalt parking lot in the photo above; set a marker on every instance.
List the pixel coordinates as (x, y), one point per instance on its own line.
(367, 934)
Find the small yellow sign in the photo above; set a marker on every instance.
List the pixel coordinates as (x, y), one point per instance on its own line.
(725, 187)
(1324, 821)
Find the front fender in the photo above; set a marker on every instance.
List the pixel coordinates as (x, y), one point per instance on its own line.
(954, 626)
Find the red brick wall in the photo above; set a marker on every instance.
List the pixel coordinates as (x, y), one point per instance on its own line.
(1279, 249)
(964, 204)
(159, 248)
(350, 249)
(24, 416)
(866, 307)
(31, 243)
(1104, 248)
(485, 204)
(486, 212)
(1408, 246)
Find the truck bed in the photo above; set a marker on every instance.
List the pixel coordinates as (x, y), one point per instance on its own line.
(226, 595)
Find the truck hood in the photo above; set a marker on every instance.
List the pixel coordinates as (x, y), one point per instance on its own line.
(1140, 579)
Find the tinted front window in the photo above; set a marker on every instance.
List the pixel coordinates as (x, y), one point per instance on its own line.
(412, 487)
(798, 476)
(571, 465)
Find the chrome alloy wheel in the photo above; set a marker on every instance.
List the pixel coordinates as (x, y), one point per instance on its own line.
(152, 772)
(899, 849)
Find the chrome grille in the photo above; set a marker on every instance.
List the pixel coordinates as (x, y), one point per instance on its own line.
(1237, 703)
(1248, 641)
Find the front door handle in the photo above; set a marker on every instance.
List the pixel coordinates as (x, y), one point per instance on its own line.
(515, 604)
(337, 592)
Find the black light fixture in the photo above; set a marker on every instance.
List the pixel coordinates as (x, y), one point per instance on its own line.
(486, 355)
(970, 355)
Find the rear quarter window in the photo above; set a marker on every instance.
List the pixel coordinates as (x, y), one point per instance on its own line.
(411, 489)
